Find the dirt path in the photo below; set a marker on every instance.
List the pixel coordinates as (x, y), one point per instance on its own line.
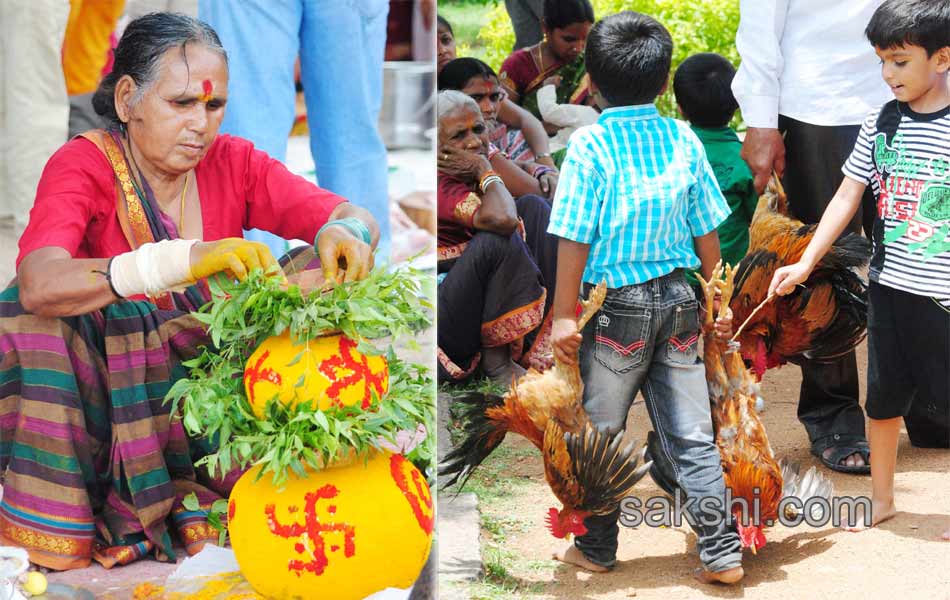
(903, 558)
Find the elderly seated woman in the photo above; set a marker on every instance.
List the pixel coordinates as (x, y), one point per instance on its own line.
(127, 224)
(510, 151)
(496, 261)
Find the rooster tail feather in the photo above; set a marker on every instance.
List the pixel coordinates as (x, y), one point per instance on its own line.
(482, 434)
(804, 487)
(605, 468)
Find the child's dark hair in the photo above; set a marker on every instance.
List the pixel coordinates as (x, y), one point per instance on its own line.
(703, 88)
(441, 20)
(458, 72)
(924, 23)
(559, 14)
(628, 58)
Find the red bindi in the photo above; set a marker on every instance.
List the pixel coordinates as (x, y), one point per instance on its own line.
(207, 88)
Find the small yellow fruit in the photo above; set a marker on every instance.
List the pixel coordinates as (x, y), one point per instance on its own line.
(329, 372)
(35, 583)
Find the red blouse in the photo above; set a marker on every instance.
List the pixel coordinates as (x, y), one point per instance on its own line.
(240, 188)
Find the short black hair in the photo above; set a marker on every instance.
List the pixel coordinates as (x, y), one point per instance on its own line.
(703, 88)
(628, 58)
(924, 23)
(559, 14)
(458, 72)
(441, 20)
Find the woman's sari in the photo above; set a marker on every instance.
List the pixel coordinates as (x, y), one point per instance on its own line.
(93, 463)
(512, 142)
(524, 73)
(494, 290)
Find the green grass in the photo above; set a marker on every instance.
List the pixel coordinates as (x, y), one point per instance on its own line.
(467, 18)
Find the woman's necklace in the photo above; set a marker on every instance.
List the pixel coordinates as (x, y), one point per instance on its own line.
(181, 213)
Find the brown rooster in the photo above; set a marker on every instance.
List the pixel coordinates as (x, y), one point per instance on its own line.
(589, 471)
(748, 463)
(824, 318)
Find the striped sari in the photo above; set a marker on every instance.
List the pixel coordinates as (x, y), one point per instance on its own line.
(93, 464)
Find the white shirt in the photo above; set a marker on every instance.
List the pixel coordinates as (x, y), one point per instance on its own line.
(808, 60)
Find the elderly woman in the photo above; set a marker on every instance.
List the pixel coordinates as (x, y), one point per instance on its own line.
(496, 261)
(514, 157)
(126, 225)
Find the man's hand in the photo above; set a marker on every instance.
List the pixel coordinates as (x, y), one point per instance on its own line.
(764, 151)
(566, 340)
(234, 255)
(344, 256)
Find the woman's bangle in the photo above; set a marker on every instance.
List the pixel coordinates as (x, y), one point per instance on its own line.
(487, 181)
(356, 227)
(486, 175)
(542, 155)
(541, 170)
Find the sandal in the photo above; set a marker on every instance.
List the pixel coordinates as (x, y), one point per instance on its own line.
(843, 451)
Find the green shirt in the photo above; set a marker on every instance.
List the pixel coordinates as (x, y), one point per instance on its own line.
(735, 181)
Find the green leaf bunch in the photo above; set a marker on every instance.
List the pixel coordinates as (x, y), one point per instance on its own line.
(241, 315)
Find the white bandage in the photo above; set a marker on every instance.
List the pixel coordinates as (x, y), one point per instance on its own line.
(153, 268)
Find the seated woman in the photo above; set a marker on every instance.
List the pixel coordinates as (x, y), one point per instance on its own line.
(557, 60)
(509, 113)
(496, 276)
(127, 224)
(475, 79)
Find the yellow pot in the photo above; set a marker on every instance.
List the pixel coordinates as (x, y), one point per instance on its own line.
(345, 532)
(330, 372)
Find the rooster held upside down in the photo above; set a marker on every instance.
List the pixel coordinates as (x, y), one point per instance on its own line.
(589, 471)
(748, 463)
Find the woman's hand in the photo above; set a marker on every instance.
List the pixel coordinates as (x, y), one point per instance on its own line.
(462, 163)
(308, 281)
(554, 80)
(548, 183)
(236, 256)
(344, 256)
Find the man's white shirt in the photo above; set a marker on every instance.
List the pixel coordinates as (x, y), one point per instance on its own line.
(808, 60)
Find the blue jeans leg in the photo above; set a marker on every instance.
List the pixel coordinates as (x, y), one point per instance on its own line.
(341, 62)
(261, 38)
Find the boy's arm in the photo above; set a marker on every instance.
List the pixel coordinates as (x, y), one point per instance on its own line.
(837, 216)
(707, 249)
(571, 259)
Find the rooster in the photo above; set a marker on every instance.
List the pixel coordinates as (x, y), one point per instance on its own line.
(822, 319)
(588, 470)
(749, 466)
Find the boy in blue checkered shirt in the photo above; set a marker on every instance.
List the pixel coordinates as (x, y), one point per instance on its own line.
(637, 204)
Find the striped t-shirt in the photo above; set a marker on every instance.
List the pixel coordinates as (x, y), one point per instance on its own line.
(905, 157)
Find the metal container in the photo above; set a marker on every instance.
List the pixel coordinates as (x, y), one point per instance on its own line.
(407, 117)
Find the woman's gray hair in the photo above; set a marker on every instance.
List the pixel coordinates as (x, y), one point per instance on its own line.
(453, 100)
(144, 43)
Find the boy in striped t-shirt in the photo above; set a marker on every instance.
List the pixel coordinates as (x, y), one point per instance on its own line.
(903, 153)
(638, 204)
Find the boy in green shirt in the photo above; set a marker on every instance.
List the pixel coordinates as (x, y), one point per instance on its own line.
(702, 85)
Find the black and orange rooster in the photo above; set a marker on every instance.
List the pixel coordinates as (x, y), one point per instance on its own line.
(589, 471)
(748, 463)
(823, 318)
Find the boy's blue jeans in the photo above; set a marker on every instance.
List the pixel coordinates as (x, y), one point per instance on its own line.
(341, 45)
(646, 338)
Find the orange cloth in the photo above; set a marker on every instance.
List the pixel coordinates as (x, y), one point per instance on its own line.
(86, 45)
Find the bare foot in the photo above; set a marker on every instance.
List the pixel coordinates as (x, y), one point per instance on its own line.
(852, 460)
(946, 536)
(572, 556)
(880, 511)
(728, 577)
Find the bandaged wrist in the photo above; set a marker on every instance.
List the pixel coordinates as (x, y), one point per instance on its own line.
(153, 268)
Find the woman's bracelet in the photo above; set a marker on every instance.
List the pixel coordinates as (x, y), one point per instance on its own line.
(487, 181)
(356, 227)
(541, 170)
(542, 155)
(487, 174)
